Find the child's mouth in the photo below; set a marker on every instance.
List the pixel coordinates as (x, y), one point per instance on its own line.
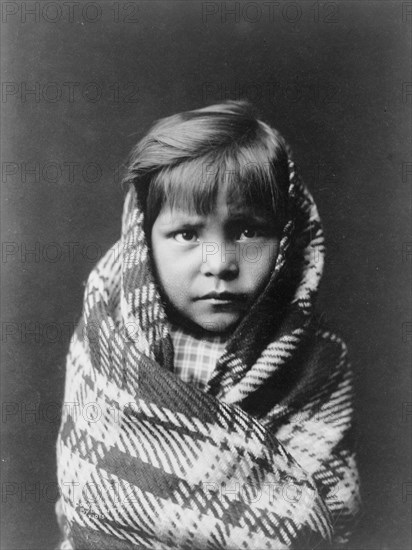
(223, 298)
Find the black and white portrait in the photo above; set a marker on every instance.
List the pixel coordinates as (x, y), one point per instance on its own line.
(206, 267)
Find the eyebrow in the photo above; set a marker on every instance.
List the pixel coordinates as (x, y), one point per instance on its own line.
(248, 214)
(184, 220)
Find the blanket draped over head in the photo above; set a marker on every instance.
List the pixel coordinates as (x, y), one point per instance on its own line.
(262, 459)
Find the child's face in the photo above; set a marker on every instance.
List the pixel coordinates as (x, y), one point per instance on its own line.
(213, 267)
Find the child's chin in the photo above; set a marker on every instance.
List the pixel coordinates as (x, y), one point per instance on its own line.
(219, 324)
(212, 323)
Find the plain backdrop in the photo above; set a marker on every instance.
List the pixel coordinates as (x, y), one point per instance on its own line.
(331, 76)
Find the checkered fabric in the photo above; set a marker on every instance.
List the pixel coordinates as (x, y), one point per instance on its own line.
(262, 459)
(195, 359)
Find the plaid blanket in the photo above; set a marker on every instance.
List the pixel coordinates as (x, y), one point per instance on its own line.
(261, 459)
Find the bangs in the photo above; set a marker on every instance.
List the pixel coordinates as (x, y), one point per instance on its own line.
(190, 160)
(243, 172)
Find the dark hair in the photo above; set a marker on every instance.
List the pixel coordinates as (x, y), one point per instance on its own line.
(186, 158)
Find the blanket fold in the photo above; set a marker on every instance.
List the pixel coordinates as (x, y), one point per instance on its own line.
(261, 460)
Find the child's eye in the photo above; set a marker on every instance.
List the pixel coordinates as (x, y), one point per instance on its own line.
(249, 233)
(186, 236)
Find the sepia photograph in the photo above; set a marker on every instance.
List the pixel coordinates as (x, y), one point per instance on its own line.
(206, 297)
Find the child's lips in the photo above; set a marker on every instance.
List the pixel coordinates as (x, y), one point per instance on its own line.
(223, 298)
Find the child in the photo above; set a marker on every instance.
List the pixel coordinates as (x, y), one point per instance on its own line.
(210, 409)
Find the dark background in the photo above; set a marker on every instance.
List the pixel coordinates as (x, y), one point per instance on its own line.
(330, 76)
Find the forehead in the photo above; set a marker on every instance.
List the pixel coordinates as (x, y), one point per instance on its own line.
(228, 199)
(222, 211)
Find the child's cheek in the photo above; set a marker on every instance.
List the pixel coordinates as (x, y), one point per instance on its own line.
(176, 266)
(258, 260)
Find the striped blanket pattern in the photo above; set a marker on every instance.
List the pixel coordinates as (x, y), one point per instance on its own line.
(262, 460)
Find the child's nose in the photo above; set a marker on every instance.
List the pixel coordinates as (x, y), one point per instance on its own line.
(220, 261)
